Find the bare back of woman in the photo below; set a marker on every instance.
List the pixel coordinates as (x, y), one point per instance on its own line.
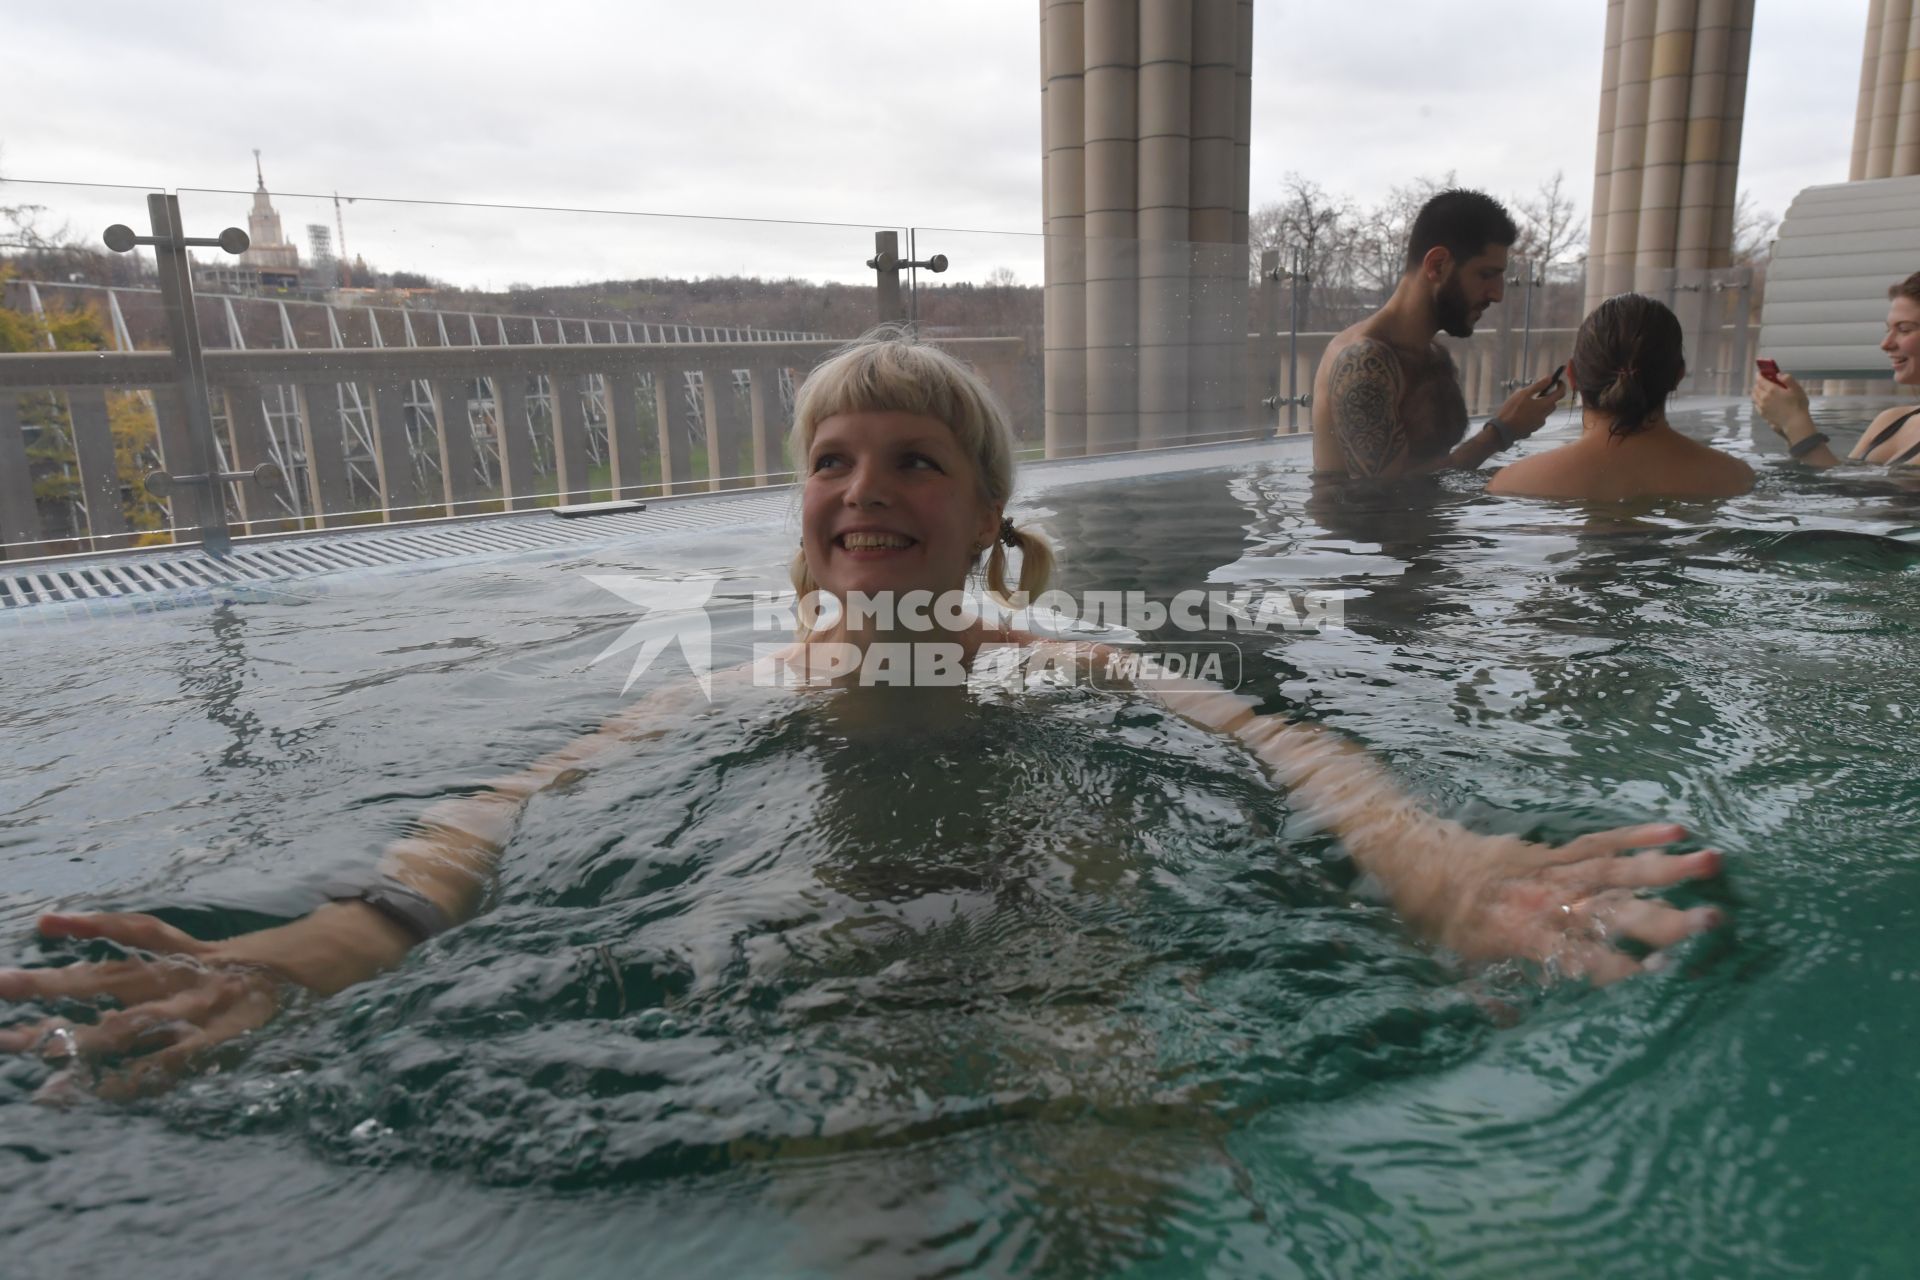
(1627, 359)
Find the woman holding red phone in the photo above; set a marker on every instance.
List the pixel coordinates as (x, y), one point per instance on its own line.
(1893, 438)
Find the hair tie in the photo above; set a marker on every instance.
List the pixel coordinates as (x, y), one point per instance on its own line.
(1626, 372)
(1007, 535)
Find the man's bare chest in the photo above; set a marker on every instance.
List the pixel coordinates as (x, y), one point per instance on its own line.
(1433, 410)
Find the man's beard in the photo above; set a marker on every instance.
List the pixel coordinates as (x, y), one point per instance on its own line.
(1451, 309)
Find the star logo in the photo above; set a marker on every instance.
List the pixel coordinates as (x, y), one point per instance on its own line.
(676, 610)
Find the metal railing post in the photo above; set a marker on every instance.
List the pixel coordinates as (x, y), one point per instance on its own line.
(1525, 373)
(887, 265)
(1270, 331)
(1741, 287)
(1699, 368)
(889, 308)
(170, 242)
(1294, 399)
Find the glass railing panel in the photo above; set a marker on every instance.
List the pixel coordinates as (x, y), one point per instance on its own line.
(400, 360)
(88, 404)
(988, 308)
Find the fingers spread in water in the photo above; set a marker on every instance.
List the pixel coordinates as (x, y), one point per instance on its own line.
(158, 1071)
(129, 929)
(154, 1024)
(1649, 870)
(1657, 924)
(128, 981)
(52, 1038)
(1606, 844)
(1597, 962)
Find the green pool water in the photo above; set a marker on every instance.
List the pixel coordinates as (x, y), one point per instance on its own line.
(1039, 984)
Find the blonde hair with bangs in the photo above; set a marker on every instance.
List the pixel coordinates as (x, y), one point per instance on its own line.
(887, 370)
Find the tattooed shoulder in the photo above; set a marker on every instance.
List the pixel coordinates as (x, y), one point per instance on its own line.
(1364, 386)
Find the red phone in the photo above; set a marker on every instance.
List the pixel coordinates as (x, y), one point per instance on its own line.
(1770, 371)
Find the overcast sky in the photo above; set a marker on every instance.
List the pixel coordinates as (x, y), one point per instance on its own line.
(921, 114)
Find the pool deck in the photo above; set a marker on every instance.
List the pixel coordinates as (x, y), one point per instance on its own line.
(163, 574)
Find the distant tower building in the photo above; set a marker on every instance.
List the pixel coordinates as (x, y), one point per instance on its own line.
(320, 246)
(1886, 123)
(270, 253)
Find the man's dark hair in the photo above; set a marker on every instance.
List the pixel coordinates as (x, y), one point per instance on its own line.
(1464, 222)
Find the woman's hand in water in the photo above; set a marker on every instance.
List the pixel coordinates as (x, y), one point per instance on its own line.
(181, 998)
(1500, 897)
(1784, 405)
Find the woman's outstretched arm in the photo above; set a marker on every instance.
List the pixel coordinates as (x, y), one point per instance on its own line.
(1483, 897)
(181, 997)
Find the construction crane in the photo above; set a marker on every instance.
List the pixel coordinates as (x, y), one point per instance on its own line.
(340, 225)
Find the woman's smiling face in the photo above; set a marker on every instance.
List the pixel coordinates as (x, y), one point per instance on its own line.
(891, 503)
(1902, 343)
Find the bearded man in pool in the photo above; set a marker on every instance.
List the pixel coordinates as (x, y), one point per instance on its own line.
(907, 461)
(1386, 398)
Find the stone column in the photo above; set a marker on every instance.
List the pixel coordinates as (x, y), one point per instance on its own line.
(1603, 150)
(1886, 122)
(1146, 106)
(1062, 125)
(1672, 95)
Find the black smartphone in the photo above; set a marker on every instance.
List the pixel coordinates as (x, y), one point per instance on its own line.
(1559, 378)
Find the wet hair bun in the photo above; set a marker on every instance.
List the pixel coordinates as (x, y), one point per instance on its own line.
(1627, 359)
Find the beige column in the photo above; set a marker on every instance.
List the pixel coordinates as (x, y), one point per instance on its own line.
(1906, 128)
(1889, 64)
(1240, 408)
(1706, 129)
(1733, 127)
(1111, 147)
(1669, 81)
(1146, 113)
(1211, 203)
(1166, 114)
(1603, 149)
(1629, 145)
(1666, 163)
(1065, 305)
(1886, 120)
(1869, 76)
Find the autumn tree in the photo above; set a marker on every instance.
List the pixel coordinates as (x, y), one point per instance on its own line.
(44, 418)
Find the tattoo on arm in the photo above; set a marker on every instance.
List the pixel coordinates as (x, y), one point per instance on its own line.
(1364, 386)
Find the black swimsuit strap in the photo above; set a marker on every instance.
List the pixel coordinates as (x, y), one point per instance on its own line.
(1893, 429)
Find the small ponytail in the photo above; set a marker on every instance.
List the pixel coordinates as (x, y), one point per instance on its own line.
(1036, 565)
(803, 586)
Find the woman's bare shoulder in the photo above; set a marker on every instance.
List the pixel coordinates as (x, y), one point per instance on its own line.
(1535, 476)
(1886, 416)
(1726, 476)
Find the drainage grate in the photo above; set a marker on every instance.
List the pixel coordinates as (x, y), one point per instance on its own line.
(188, 570)
(115, 577)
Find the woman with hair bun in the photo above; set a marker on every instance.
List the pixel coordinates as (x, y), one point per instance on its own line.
(1893, 438)
(1627, 359)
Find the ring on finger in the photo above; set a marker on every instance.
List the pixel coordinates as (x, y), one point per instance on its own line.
(69, 1043)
